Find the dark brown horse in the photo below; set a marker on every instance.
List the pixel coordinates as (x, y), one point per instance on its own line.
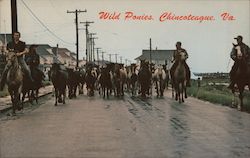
(32, 89)
(242, 75)
(105, 81)
(144, 78)
(14, 81)
(59, 79)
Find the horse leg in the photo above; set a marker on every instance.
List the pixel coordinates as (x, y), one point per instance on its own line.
(64, 95)
(172, 89)
(13, 102)
(107, 89)
(70, 92)
(241, 100)
(179, 93)
(185, 90)
(36, 95)
(75, 88)
(56, 96)
(176, 92)
(19, 91)
(23, 96)
(103, 91)
(182, 91)
(122, 88)
(132, 89)
(157, 89)
(32, 96)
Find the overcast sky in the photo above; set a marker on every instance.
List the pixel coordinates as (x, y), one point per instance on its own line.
(208, 43)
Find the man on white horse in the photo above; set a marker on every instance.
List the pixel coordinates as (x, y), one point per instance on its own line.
(245, 53)
(179, 50)
(19, 48)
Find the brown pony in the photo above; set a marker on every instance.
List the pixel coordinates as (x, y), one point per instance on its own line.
(14, 81)
(180, 80)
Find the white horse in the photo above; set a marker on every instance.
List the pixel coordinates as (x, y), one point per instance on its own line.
(159, 76)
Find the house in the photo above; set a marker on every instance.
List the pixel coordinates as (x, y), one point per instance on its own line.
(157, 56)
(4, 39)
(65, 56)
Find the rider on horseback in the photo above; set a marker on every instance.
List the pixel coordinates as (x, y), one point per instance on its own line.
(19, 48)
(178, 50)
(245, 54)
(33, 60)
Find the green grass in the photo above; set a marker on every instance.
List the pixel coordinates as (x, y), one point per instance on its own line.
(218, 94)
(47, 83)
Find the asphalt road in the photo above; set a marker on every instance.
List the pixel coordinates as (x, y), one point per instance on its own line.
(126, 128)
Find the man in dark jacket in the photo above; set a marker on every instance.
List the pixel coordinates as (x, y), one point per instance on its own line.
(245, 50)
(19, 48)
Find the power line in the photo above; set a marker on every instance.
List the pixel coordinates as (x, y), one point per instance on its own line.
(52, 33)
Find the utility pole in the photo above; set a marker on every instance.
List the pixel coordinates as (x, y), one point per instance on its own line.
(150, 49)
(77, 39)
(97, 53)
(14, 16)
(115, 57)
(126, 61)
(109, 57)
(91, 46)
(121, 59)
(103, 57)
(87, 36)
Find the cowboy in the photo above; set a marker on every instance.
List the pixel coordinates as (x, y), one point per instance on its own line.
(245, 53)
(178, 50)
(19, 48)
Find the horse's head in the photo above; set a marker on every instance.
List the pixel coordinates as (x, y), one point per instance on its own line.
(11, 58)
(183, 56)
(239, 54)
(54, 69)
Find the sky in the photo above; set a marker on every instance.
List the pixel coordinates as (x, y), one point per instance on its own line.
(208, 43)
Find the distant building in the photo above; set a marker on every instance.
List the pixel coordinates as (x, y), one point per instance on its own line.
(66, 57)
(4, 39)
(46, 55)
(157, 56)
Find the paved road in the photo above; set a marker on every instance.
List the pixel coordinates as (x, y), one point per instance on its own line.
(126, 128)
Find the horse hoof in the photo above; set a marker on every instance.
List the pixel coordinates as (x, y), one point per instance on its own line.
(55, 104)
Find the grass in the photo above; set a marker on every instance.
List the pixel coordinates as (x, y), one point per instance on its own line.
(47, 83)
(218, 94)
